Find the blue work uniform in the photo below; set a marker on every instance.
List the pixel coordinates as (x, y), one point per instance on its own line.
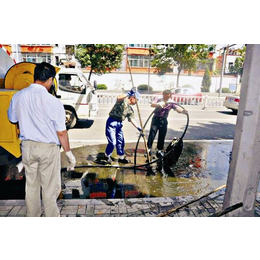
(114, 124)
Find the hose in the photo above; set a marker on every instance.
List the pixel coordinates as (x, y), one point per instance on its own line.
(142, 167)
(183, 134)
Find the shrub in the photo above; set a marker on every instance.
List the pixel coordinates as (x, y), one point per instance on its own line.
(206, 81)
(101, 86)
(144, 87)
(224, 90)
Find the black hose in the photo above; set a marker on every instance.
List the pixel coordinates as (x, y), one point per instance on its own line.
(135, 167)
(138, 140)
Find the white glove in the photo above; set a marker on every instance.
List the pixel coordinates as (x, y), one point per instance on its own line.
(20, 166)
(71, 160)
(185, 112)
(161, 104)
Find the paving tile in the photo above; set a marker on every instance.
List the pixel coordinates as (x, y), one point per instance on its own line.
(202, 211)
(114, 210)
(145, 207)
(122, 209)
(66, 210)
(90, 210)
(22, 212)
(102, 209)
(195, 211)
(4, 213)
(213, 204)
(14, 211)
(5, 208)
(81, 210)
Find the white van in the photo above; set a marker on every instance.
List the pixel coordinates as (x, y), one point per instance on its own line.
(76, 93)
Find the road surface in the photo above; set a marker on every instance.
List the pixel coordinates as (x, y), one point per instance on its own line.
(208, 124)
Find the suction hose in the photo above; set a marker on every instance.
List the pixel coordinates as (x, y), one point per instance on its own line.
(135, 167)
(138, 140)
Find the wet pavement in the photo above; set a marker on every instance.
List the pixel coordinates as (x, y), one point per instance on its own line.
(202, 167)
(141, 207)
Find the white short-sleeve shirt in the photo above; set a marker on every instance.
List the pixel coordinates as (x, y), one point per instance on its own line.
(39, 114)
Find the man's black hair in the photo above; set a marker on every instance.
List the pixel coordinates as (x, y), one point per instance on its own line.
(43, 71)
(167, 91)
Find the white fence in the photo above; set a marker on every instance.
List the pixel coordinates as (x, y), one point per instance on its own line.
(204, 101)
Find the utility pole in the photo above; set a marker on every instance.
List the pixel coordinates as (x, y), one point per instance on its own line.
(244, 172)
(149, 69)
(223, 67)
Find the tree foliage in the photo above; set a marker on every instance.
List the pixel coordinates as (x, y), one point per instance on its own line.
(184, 56)
(237, 68)
(101, 58)
(206, 81)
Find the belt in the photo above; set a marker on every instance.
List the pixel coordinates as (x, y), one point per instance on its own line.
(159, 118)
(116, 118)
(27, 140)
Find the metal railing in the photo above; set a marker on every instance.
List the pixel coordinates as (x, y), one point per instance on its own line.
(203, 101)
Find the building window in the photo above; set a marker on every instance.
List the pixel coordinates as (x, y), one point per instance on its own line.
(138, 45)
(37, 44)
(138, 61)
(230, 65)
(37, 57)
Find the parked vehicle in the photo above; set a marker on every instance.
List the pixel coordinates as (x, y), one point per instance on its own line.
(186, 96)
(79, 100)
(76, 93)
(232, 102)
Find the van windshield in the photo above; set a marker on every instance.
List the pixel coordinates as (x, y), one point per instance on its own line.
(71, 83)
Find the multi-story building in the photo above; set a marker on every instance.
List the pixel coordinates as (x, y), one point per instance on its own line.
(36, 52)
(52, 53)
(138, 56)
(230, 57)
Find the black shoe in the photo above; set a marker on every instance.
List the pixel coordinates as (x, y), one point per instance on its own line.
(150, 153)
(151, 171)
(124, 160)
(107, 159)
(160, 154)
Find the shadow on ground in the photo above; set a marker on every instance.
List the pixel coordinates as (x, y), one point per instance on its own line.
(84, 123)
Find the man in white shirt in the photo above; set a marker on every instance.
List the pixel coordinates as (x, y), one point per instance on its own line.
(41, 119)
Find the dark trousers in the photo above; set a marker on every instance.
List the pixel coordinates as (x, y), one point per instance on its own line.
(158, 123)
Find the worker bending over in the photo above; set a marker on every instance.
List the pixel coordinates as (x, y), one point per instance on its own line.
(114, 124)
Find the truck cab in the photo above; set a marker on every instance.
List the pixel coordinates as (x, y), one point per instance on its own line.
(70, 86)
(76, 93)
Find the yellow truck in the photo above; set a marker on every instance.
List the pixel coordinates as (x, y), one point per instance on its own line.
(9, 133)
(71, 87)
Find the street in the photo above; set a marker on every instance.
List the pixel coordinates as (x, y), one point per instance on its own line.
(208, 124)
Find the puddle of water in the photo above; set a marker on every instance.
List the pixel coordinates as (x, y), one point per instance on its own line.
(201, 167)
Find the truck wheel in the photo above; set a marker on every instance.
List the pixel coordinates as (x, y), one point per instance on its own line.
(71, 119)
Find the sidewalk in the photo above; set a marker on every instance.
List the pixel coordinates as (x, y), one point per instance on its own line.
(145, 207)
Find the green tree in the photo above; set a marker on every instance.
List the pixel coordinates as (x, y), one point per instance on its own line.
(102, 58)
(237, 68)
(184, 56)
(206, 81)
